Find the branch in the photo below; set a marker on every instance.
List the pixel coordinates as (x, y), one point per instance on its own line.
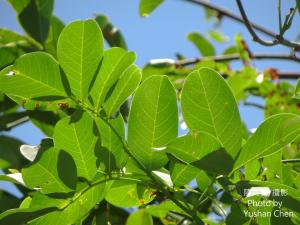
(227, 13)
(278, 38)
(254, 105)
(251, 29)
(232, 57)
(290, 161)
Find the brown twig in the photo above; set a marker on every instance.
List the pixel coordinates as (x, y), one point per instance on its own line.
(229, 14)
(279, 39)
(232, 57)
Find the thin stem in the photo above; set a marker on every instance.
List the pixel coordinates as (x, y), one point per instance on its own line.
(159, 185)
(227, 13)
(278, 38)
(17, 122)
(288, 20)
(251, 29)
(254, 105)
(279, 16)
(290, 161)
(232, 57)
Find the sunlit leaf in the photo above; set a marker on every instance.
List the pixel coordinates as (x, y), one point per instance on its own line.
(202, 44)
(140, 217)
(111, 155)
(147, 6)
(208, 105)
(273, 134)
(153, 121)
(53, 171)
(76, 209)
(79, 53)
(123, 89)
(78, 136)
(115, 62)
(34, 75)
(128, 193)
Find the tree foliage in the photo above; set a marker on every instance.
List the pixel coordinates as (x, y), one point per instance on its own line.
(103, 157)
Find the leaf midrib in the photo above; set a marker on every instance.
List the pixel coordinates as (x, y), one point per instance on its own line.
(210, 111)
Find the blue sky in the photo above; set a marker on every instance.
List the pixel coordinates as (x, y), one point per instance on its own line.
(163, 34)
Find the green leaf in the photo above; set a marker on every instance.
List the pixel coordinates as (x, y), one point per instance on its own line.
(123, 89)
(40, 200)
(115, 62)
(182, 174)
(7, 105)
(203, 181)
(9, 151)
(111, 34)
(218, 162)
(34, 16)
(147, 6)
(202, 44)
(193, 147)
(273, 134)
(53, 171)
(252, 169)
(125, 193)
(153, 121)
(45, 121)
(208, 105)
(34, 75)
(218, 36)
(56, 28)
(78, 136)
(140, 217)
(297, 89)
(99, 217)
(236, 214)
(111, 155)
(9, 55)
(8, 201)
(272, 167)
(79, 53)
(76, 209)
(242, 81)
(19, 5)
(298, 5)
(163, 209)
(23, 215)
